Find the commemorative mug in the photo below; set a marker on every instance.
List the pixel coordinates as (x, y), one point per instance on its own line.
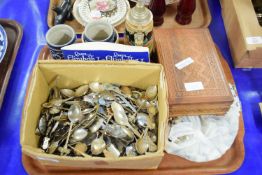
(59, 36)
(99, 31)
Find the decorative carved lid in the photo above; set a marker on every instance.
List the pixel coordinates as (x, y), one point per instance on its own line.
(173, 46)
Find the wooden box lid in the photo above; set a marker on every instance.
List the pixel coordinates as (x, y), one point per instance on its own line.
(175, 45)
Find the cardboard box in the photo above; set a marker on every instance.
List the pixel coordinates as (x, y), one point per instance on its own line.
(75, 73)
(241, 25)
(174, 47)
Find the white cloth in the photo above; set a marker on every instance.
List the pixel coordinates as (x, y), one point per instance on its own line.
(204, 138)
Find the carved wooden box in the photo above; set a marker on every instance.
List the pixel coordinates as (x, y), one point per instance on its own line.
(175, 45)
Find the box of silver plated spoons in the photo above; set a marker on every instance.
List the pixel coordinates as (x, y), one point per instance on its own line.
(95, 114)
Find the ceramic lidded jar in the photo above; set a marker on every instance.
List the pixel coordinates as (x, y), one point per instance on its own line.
(139, 26)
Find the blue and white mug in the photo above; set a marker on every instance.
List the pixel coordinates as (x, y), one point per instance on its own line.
(99, 30)
(59, 36)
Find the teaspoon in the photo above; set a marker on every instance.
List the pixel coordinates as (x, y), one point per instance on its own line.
(121, 118)
(74, 115)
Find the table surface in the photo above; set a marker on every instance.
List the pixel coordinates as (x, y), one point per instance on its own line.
(32, 15)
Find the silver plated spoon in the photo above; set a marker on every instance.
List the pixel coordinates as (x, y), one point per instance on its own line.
(79, 134)
(74, 115)
(98, 145)
(121, 118)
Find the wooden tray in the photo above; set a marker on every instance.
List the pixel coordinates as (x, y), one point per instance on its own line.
(14, 34)
(201, 17)
(170, 164)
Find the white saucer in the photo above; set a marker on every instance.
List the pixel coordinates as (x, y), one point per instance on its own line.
(3, 43)
(88, 10)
